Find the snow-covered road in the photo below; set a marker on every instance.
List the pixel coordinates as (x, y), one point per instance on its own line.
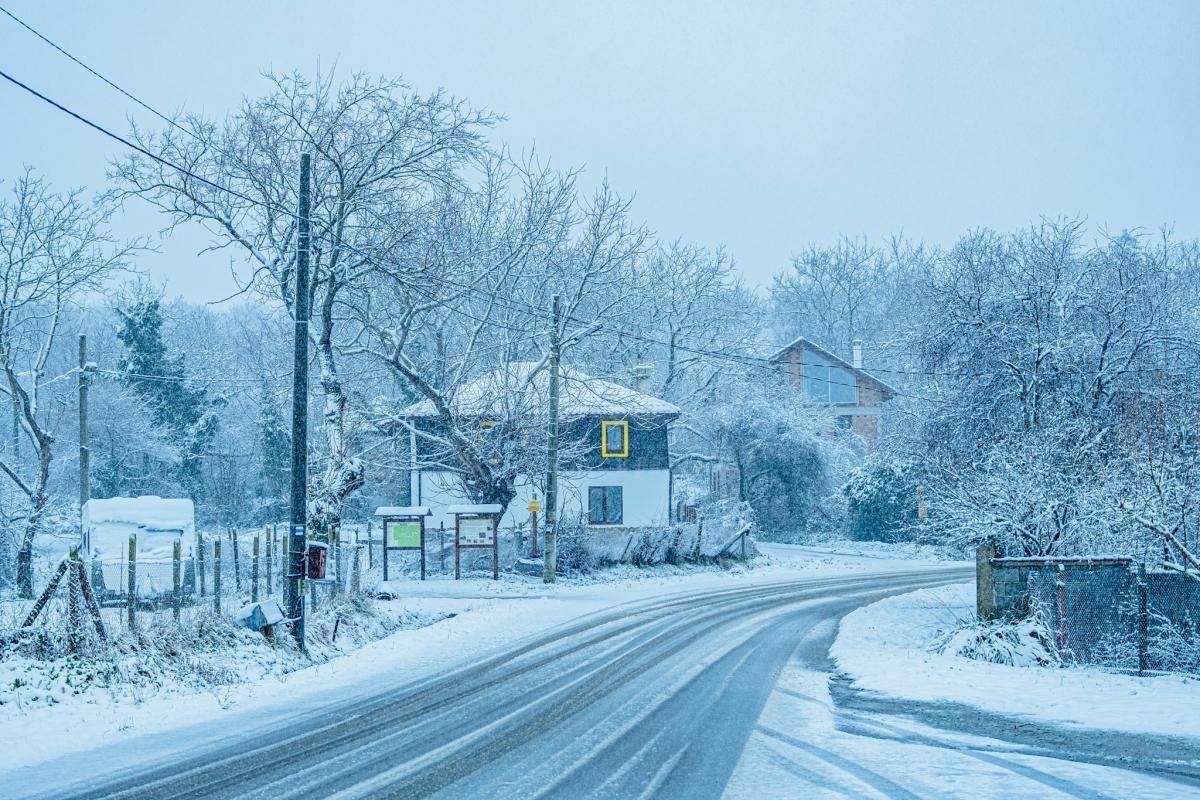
(720, 691)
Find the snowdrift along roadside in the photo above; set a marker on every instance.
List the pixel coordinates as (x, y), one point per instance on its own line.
(885, 648)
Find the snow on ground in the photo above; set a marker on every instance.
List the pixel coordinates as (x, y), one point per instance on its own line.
(885, 648)
(487, 616)
(802, 747)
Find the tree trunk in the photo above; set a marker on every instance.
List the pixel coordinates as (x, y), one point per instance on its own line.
(342, 476)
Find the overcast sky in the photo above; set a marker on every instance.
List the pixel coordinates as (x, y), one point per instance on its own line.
(761, 126)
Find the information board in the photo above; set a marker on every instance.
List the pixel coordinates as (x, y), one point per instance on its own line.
(476, 532)
(404, 534)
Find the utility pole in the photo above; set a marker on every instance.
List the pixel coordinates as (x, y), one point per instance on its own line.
(294, 592)
(550, 558)
(85, 452)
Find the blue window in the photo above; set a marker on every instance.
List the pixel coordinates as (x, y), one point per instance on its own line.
(605, 505)
(827, 383)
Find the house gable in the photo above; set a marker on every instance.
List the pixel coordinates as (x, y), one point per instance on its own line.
(806, 361)
(645, 443)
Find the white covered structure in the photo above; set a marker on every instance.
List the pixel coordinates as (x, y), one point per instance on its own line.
(156, 522)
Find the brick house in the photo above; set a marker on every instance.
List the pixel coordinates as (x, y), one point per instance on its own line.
(853, 397)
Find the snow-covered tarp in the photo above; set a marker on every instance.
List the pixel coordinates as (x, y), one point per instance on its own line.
(156, 522)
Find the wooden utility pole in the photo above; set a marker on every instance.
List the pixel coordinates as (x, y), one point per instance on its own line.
(550, 558)
(294, 591)
(85, 454)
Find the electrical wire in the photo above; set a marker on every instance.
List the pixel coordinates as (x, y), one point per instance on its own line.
(742, 359)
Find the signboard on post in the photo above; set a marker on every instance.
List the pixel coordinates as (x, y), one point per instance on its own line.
(403, 535)
(476, 527)
(403, 529)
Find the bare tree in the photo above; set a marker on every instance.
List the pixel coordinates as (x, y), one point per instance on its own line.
(474, 295)
(684, 310)
(53, 248)
(382, 154)
(852, 290)
(1045, 357)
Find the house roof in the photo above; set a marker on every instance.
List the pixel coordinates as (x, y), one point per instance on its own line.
(808, 344)
(579, 395)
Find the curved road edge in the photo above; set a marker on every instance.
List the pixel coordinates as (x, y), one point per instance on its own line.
(1176, 757)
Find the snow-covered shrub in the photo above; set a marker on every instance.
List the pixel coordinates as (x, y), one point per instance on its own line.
(1024, 642)
(207, 652)
(1174, 647)
(881, 499)
(649, 546)
(574, 556)
(774, 452)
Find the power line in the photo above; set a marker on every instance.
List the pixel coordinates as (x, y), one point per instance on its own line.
(184, 171)
(742, 359)
(45, 39)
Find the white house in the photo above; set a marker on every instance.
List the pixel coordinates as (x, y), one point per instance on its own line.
(614, 466)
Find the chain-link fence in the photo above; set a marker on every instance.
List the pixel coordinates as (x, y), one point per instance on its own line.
(1103, 611)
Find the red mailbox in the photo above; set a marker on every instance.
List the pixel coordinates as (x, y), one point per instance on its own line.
(314, 561)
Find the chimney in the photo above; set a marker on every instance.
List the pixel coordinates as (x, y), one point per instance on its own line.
(641, 378)
(856, 349)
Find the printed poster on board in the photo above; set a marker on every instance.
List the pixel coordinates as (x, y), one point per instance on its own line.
(475, 532)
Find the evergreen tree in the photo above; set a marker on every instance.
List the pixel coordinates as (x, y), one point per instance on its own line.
(276, 444)
(183, 413)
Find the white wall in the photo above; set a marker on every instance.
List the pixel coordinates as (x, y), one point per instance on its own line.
(646, 495)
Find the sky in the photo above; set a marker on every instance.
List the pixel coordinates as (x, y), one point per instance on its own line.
(759, 126)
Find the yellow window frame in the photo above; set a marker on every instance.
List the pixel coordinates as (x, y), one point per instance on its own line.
(605, 425)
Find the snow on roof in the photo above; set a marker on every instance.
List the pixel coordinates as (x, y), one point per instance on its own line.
(485, 508)
(403, 511)
(579, 395)
(156, 522)
(148, 512)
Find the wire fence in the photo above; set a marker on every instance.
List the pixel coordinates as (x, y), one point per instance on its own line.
(1107, 612)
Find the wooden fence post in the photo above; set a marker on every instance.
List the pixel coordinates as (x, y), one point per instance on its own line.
(74, 614)
(1061, 587)
(355, 572)
(442, 547)
(131, 585)
(47, 594)
(176, 582)
(237, 572)
(1143, 623)
(370, 551)
(270, 534)
(339, 559)
(254, 574)
(200, 562)
(90, 599)
(217, 575)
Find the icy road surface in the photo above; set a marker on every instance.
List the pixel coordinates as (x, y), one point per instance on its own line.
(709, 694)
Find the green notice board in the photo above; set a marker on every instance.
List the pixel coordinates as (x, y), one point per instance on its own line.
(404, 534)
